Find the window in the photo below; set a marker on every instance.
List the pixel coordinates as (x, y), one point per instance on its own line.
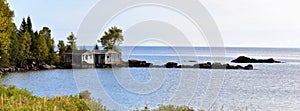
(86, 57)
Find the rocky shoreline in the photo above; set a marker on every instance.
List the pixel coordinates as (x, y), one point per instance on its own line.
(11, 69)
(139, 63)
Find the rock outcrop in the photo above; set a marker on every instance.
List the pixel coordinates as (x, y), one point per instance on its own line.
(137, 63)
(171, 65)
(243, 59)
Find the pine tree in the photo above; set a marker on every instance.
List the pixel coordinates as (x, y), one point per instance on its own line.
(29, 25)
(96, 47)
(112, 38)
(23, 27)
(72, 41)
(62, 49)
(6, 29)
(25, 53)
(14, 48)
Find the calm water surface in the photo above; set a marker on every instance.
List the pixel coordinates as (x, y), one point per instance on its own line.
(268, 87)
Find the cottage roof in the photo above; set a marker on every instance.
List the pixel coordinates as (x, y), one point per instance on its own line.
(104, 51)
(77, 51)
(80, 52)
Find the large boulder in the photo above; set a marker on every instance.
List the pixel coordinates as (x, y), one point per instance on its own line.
(205, 65)
(47, 67)
(249, 67)
(217, 65)
(172, 65)
(243, 59)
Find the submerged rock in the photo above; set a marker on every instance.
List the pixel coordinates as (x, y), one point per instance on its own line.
(217, 65)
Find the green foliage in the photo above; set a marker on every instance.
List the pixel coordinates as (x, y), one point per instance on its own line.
(14, 47)
(12, 99)
(25, 53)
(112, 38)
(41, 49)
(27, 46)
(72, 41)
(46, 34)
(6, 29)
(62, 48)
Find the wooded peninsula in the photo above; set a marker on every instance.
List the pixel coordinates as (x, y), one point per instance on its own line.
(22, 48)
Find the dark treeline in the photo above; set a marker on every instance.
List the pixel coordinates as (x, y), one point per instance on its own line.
(25, 48)
(28, 47)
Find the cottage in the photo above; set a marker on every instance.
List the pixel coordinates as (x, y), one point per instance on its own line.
(79, 59)
(106, 57)
(88, 59)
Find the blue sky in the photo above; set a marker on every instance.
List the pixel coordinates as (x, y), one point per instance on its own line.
(242, 23)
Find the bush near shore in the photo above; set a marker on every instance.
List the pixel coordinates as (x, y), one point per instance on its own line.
(14, 99)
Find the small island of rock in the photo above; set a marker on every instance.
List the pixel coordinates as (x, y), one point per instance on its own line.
(243, 59)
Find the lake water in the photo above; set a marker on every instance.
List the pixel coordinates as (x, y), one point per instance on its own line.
(268, 87)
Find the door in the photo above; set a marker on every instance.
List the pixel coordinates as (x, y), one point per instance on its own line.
(102, 59)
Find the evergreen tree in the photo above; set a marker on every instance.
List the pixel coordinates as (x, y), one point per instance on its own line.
(62, 49)
(34, 37)
(6, 29)
(25, 53)
(29, 25)
(41, 51)
(34, 45)
(96, 47)
(23, 27)
(72, 41)
(14, 48)
(28, 42)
